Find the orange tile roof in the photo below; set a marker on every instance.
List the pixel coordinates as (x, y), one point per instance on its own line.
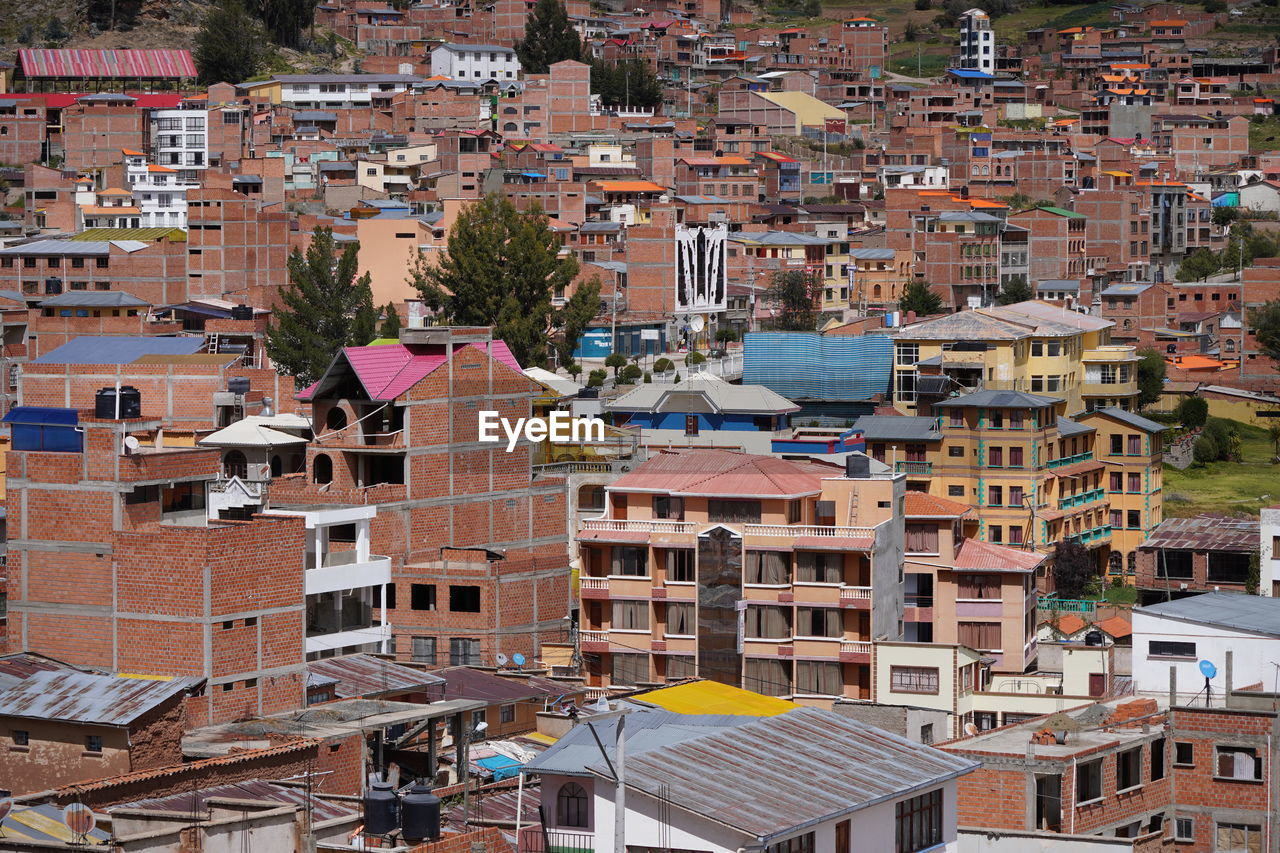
(975, 555)
(1197, 362)
(1068, 624)
(94, 210)
(114, 191)
(982, 202)
(154, 168)
(920, 504)
(131, 153)
(1172, 22)
(630, 187)
(725, 472)
(1115, 627)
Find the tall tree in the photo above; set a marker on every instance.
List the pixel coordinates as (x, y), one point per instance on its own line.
(325, 308)
(390, 327)
(230, 44)
(795, 294)
(919, 297)
(500, 268)
(286, 19)
(1151, 372)
(628, 82)
(548, 38)
(1265, 322)
(573, 318)
(1074, 569)
(1014, 290)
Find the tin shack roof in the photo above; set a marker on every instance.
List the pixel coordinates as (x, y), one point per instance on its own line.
(366, 676)
(81, 697)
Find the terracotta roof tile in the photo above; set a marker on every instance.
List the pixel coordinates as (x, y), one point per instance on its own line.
(988, 556)
(924, 505)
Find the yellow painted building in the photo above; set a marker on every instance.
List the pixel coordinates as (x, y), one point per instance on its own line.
(1031, 346)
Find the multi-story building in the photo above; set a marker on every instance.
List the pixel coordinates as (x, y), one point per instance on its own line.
(159, 192)
(754, 571)
(1132, 451)
(180, 141)
(1031, 346)
(1184, 556)
(475, 62)
(977, 42)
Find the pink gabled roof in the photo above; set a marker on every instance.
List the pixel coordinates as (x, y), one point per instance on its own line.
(386, 372)
(975, 555)
(726, 472)
(146, 63)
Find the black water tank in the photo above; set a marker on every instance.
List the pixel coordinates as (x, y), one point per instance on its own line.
(104, 403)
(238, 385)
(242, 312)
(1093, 638)
(381, 809)
(420, 813)
(857, 466)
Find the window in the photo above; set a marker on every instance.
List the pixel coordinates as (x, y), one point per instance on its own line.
(995, 495)
(93, 743)
(507, 713)
(799, 844)
(980, 636)
(1015, 494)
(1117, 481)
(424, 650)
(908, 353)
(630, 616)
(1117, 445)
(1171, 649)
(743, 512)
(819, 622)
(1184, 829)
(1015, 457)
(926, 735)
(630, 561)
(1157, 759)
(142, 495)
(21, 737)
(464, 599)
(1134, 518)
(996, 457)
(669, 508)
(1184, 754)
(1228, 567)
(1088, 782)
(1135, 482)
(571, 805)
(955, 451)
(629, 668)
(422, 596)
(996, 533)
(1129, 769)
(764, 622)
(769, 677)
(919, 822)
(680, 619)
(679, 565)
(914, 679)
(1174, 564)
(955, 491)
(691, 425)
(1238, 762)
(1238, 838)
(922, 538)
(819, 567)
(978, 586)
(768, 567)
(464, 651)
(957, 417)
(819, 678)
(1135, 445)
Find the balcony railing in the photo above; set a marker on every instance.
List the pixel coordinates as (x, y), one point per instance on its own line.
(855, 593)
(611, 525)
(593, 583)
(593, 636)
(855, 647)
(904, 467)
(535, 839)
(1081, 499)
(1094, 534)
(1071, 460)
(808, 530)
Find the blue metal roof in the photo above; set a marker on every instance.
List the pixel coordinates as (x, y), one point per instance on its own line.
(42, 415)
(93, 349)
(970, 74)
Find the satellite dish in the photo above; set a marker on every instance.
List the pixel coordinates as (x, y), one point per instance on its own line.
(697, 323)
(5, 807)
(1207, 669)
(501, 659)
(970, 729)
(131, 444)
(78, 818)
(518, 659)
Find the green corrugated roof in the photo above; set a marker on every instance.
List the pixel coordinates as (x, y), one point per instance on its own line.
(175, 235)
(1070, 214)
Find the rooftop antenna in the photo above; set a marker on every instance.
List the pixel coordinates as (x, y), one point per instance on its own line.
(1208, 670)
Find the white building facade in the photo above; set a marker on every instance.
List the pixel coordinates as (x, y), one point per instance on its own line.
(180, 141)
(475, 62)
(977, 42)
(158, 193)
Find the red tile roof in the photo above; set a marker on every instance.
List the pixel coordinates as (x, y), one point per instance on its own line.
(924, 505)
(1116, 627)
(987, 556)
(1068, 624)
(726, 473)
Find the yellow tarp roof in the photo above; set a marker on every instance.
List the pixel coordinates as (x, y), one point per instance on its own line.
(712, 697)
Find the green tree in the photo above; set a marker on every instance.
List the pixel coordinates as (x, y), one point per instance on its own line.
(573, 369)
(55, 32)
(595, 378)
(1273, 433)
(548, 38)
(499, 268)
(1014, 290)
(910, 33)
(1193, 412)
(662, 365)
(617, 361)
(917, 296)
(795, 293)
(286, 19)
(1265, 322)
(629, 82)
(1074, 569)
(1223, 216)
(726, 334)
(326, 307)
(1254, 579)
(695, 358)
(390, 327)
(572, 319)
(1199, 265)
(230, 44)
(1205, 450)
(1151, 369)
(631, 373)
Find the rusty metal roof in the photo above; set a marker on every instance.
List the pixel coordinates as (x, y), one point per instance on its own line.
(190, 802)
(1205, 533)
(463, 682)
(366, 676)
(22, 665)
(81, 697)
(779, 775)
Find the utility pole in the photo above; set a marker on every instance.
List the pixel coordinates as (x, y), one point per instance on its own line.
(620, 790)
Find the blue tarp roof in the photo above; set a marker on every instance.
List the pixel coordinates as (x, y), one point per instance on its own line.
(42, 415)
(970, 74)
(122, 349)
(503, 767)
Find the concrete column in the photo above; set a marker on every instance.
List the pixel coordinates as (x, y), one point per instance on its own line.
(362, 541)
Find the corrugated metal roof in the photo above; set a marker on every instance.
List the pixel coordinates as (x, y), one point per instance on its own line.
(889, 427)
(44, 62)
(44, 823)
(1135, 421)
(390, 370)
(174, 235)
(120, 349)
(777, 775)
(365, 676)
(1205, 533)
(701, 392)
(1257, 614)
(1068, 428)
(463, 682)
(712, 697)
(925, 505)
(191, 802)
(21, 665)
(991, 399)
(58, 248)
(94, 299)
(975, 555)
(82, 697)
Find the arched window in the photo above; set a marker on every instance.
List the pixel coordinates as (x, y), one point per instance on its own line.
(1133, 562)
(1117, 563)
(510, 127)
(571, 805)
(335, 420)
(875, 291)
(277, 465)
(4, 130)
(1229, 345)
(235, 465)
(322, 469)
